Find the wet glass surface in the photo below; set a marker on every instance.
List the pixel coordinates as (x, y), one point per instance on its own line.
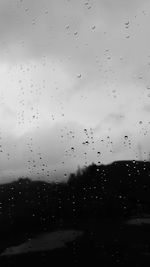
(74, 132)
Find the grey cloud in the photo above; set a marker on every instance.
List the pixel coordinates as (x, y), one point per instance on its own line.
(115, 118)
(36, 26)
(39, 27)
(91, 42)
(147, 108)
(53, 144)
(111, 120)
(31, 29)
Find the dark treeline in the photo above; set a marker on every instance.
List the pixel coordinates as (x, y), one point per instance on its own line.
(119, 189)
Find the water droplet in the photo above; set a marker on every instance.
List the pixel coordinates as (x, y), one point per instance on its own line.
(93, 27)
(67, 27)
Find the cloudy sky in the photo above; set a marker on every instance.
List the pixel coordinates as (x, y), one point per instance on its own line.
(74, 84)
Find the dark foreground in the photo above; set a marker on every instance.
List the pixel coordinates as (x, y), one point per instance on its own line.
(100, 217)
(103, 243)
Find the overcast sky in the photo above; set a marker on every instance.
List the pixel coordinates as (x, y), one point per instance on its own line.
(74, 84)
